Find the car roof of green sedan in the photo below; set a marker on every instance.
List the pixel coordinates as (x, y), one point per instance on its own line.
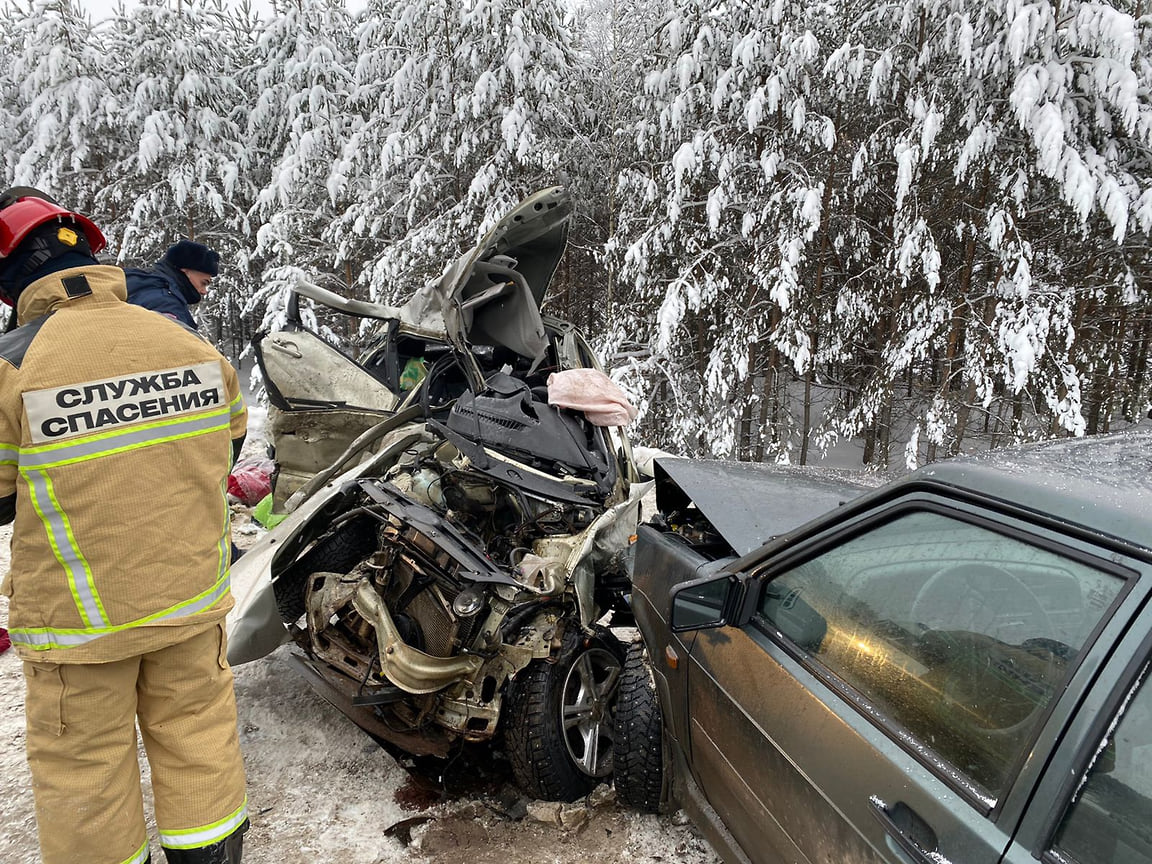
(1099, 482)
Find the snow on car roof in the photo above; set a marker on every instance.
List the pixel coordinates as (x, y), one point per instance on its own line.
(1099, 482)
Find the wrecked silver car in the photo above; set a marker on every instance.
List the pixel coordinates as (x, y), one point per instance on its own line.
(443, 575)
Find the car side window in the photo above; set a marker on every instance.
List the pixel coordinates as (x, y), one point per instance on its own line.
(1110, 818)
(955, 637)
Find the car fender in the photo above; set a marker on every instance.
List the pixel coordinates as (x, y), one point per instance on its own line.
(662, 562)
(605, 537)
(255, 628)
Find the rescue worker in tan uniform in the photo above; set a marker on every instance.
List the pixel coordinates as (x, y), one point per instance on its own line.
(118, 427)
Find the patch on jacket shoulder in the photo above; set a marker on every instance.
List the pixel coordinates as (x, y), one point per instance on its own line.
(112, 403)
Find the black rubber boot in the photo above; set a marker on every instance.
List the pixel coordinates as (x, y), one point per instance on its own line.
(227, 851)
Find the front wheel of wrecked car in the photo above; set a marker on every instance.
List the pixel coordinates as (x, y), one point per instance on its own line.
(561, 717)
(338, 552)
(638, 759)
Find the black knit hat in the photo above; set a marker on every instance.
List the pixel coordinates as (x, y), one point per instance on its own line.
(189, 255)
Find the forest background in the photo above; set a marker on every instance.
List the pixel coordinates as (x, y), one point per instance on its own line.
(918, 225)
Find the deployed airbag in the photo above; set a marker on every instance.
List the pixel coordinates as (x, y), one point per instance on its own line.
(594, 393)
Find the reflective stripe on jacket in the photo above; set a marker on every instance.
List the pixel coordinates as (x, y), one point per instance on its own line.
(116, 429)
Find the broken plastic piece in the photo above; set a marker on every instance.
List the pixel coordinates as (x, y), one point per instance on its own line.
(414, 371)
(251, 480)
(264, 515)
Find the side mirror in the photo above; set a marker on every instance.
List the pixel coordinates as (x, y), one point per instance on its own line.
(706, 603)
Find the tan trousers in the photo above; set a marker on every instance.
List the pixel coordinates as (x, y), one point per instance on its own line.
(82, 752)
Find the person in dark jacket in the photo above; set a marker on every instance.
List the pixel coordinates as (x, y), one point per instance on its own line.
(177, 282)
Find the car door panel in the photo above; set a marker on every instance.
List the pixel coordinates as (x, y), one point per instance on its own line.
(1113, 701)
(321, 400)
(664, 561)
(985, 619)
(746, 815)
(796, 777)
(306, 372)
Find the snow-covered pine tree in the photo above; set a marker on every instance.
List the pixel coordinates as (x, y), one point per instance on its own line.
(610, 39)
(463, 100)
(181, 134)
(299, 83)
(10, 44)
(1012, 140)
(371, 216)
(719, 216)
(922, 220)
(58, 97)
(236, 27)
(936, 209)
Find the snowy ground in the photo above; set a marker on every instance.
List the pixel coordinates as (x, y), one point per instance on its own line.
(322, 791)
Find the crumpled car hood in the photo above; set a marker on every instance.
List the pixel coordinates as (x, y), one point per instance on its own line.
(750, 503)
(481, 299)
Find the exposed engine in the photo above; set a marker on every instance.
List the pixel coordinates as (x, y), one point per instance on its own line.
(437, 582)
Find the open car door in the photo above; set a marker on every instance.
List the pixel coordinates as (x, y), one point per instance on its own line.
(320, 399)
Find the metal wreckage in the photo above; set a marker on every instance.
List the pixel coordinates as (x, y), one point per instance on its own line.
(443, 574)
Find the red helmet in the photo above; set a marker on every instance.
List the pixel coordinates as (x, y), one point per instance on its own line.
(27, 213)
(22, 211)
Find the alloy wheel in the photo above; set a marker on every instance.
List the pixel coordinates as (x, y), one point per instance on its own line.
(588, 710)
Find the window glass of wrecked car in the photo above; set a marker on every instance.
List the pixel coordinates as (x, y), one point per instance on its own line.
(1110, 819)
(955, 637)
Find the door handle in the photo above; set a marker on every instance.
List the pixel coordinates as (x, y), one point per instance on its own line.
(907, 829)
(286, 347)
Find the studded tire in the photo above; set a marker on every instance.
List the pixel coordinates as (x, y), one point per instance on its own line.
(559, 718)
(638, 758)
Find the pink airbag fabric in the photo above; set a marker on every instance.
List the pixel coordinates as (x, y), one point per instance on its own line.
(594, 393)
